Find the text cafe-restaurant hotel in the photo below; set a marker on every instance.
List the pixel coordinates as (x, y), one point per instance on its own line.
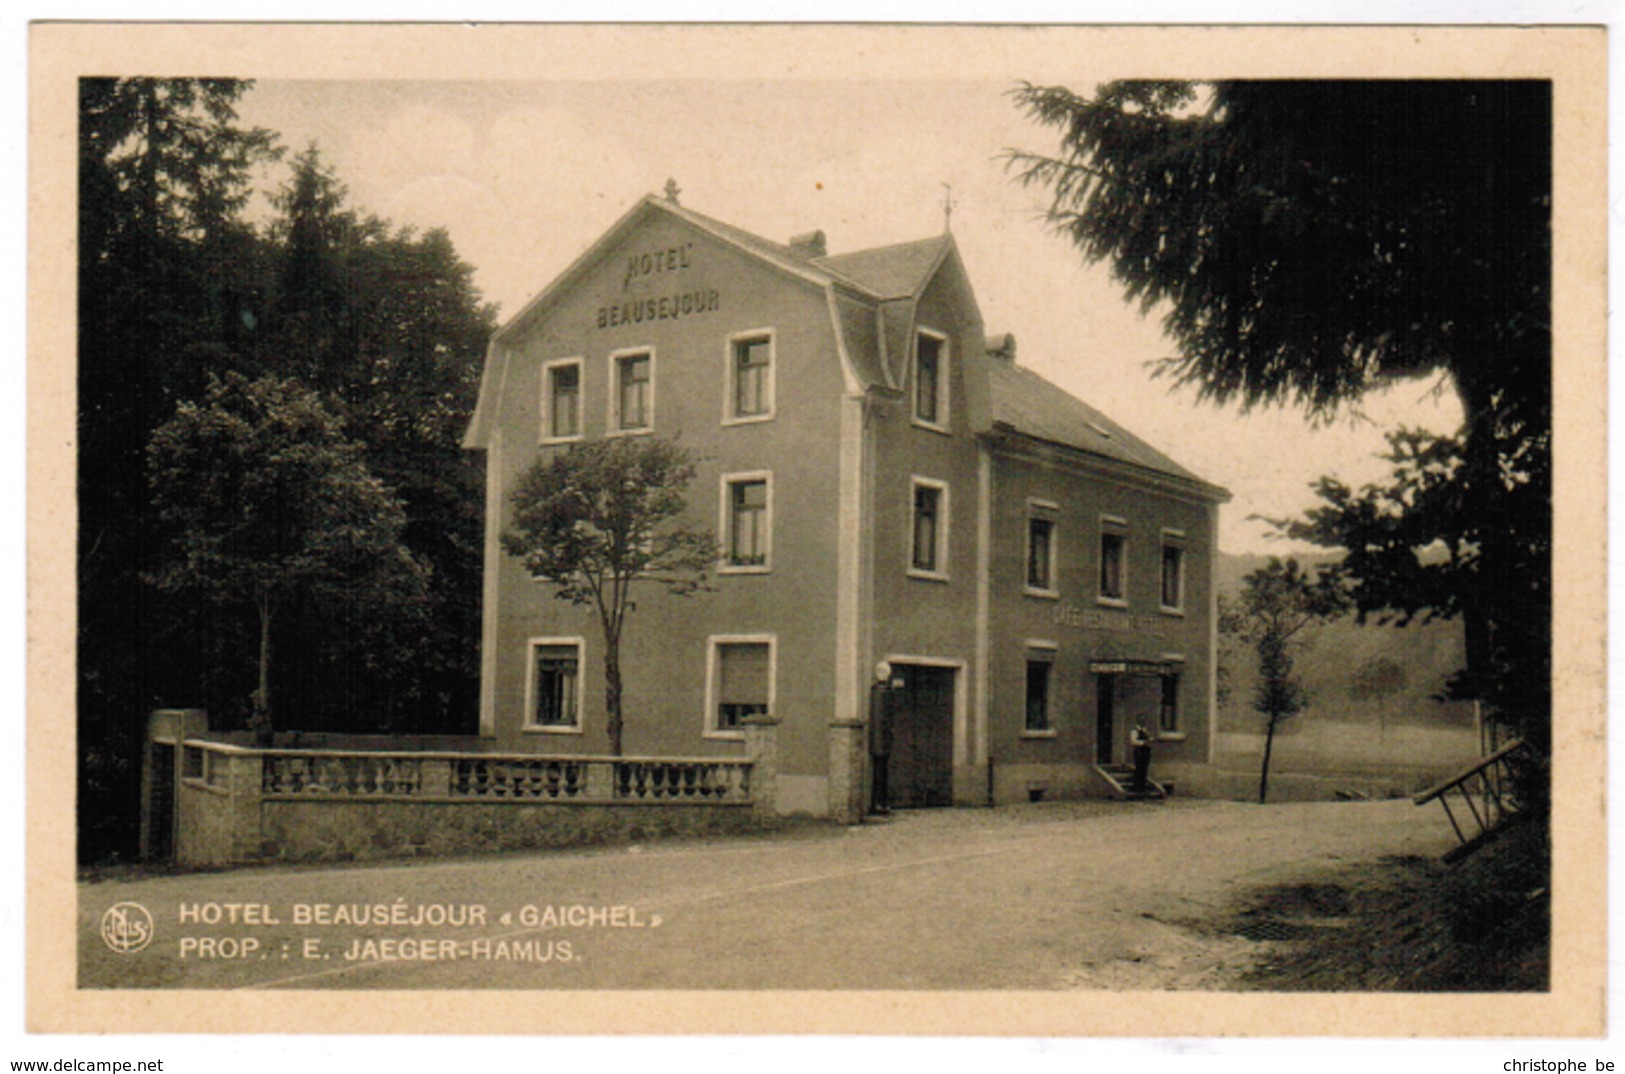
(890, 489)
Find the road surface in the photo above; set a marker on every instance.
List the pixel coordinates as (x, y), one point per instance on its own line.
(1047, 896)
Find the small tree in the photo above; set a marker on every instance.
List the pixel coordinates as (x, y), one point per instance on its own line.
(268, 503)
(601, 517)
(1277, 602)
(1378, 680)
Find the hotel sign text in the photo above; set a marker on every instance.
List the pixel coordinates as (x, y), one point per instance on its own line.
(1071, 615)
(669, 307)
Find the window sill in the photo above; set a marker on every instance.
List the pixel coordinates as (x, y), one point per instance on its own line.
(642, 430)
(1041, 594)
(927, 576)
(548, 441)
(765, 568)
(1111, 602)
(748, 419)
(1170, 736)
(1039, 734)
(931, 427)
(1177, 612)
(544, 729)
(725, 736)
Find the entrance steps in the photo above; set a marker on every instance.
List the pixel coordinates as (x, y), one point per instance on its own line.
(1121, 777)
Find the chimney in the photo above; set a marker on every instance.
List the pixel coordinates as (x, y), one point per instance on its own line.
(1002, 346)
(809, 245)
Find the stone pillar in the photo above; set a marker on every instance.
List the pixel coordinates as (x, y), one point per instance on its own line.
(244, 783)
(434, 777)
(762, 750)
(848, 771)
(166, 728)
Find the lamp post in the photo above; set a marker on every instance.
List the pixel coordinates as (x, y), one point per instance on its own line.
(879, 740)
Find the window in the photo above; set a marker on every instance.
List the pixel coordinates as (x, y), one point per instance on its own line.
(561, 400)
(633, 397)
(555, 685)
(747, 521)
(1173, 572)
(931, 380)
(1113, 563)
(928, 545)
(1168, 712)
(1041, 520)
(750, 377)
(741, 682)
(1038, 676)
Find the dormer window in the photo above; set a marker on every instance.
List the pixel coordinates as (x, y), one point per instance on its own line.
(931, 380)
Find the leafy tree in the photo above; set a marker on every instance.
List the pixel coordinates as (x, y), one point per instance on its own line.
(268, 503)
(1378, 679)
(176, 285)
(600, 518)
(1310, 241)
(389, 324)
(1277, 602)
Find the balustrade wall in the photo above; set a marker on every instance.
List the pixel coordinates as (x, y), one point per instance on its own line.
(238, 804)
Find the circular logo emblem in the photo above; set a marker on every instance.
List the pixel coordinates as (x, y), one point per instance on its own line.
(127, 927)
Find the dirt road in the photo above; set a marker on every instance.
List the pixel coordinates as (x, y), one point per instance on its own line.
(1049, 896)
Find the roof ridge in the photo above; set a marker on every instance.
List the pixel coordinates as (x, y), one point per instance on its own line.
(744, 237)
(895, 270)
(884, 247)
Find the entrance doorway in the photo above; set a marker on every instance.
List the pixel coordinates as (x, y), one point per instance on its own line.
(1105, 719)
(922, 757)
(160, 819)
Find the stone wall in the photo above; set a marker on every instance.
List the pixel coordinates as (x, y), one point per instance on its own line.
(358, 831)
(234, 804)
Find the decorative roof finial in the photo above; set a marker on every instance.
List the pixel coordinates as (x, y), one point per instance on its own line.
(948, 204)
(672, 190)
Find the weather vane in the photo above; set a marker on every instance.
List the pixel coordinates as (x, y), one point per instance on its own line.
(672, 190)
(948, 204)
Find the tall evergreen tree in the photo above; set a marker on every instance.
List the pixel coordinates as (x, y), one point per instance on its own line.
(1307, 242)
(165, 290)
(390, 326)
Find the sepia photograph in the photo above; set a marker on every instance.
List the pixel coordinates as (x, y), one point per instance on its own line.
(788, 521)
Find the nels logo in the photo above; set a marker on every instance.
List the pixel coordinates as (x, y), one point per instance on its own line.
(126, 927)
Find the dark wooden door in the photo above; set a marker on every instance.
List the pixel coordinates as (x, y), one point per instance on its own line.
(922, 755)
(1105, 718)
(161, 819)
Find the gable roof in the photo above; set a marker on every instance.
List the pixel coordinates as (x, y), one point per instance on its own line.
(775, 252)
(1024, 402)
(872, 299)
(897, 271)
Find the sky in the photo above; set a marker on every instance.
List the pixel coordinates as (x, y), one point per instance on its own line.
(525, 175)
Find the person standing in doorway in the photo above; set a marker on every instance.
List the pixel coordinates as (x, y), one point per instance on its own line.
(1140, 739)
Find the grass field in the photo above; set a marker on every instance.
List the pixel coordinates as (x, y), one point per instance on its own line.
(1319, 758)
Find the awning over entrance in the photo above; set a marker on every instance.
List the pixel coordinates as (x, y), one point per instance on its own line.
(1133, 667)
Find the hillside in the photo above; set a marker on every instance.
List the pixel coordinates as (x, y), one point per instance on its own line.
(1371, 673)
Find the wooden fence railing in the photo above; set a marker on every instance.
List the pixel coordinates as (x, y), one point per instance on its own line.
(1485, 789)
